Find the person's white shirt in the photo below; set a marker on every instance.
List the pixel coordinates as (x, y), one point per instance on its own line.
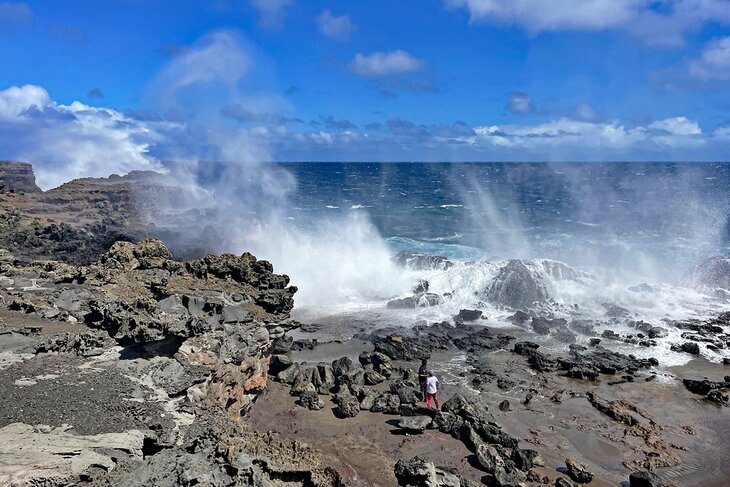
(432, 385)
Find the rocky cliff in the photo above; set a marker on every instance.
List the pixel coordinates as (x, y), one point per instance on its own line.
(75, 222)
(136, 369)
(17, 177)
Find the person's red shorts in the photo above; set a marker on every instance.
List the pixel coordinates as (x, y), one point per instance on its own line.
(435, 399)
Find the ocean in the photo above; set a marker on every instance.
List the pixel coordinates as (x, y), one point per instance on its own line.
(582, 214)
(630, 234)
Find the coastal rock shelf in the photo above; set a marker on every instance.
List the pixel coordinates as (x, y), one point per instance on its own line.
(145, 356)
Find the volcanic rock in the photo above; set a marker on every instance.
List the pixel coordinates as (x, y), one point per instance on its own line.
(468, 315)
(414, 423)
(400, 347)
(687, 347)
(420, 300)
(418, 472)
(17, 177)
(578, 472)
(503, 470)
(386, 403)
(347, 405)
(419, 261)
(310, 400)
(515, 286)
(644, 479)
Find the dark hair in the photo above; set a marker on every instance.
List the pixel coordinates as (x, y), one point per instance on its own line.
(424, 361)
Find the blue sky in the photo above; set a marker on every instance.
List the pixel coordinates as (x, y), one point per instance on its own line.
(363, 80)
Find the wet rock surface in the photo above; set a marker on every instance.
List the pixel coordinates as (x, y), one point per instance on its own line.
(518, 411)
(516, 286)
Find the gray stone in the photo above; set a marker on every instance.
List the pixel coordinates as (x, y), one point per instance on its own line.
(288, 375)
(415, 423)
(236, 314)
(515, 286)
(578, 472)
(310, 400)
(503, 470)
(386, 403)
(347, 405)
(420, 300)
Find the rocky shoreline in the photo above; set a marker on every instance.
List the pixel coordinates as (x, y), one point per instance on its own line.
(122, 365)
(498, 387)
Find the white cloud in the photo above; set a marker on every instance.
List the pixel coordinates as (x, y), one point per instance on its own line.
(586, 136)
(586, 112)
(519, 102)
(271, 12)
(659, 22)
(70, 141)
(562, 139)
(714, 63)
(539, 15)
(677, 126)
(380, 64)
(335, 27)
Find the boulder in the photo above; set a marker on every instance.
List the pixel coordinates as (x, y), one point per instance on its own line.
(367, 399)
(347, 405)
(503, 470)
(526, 459)
(466, 315)
(353, 378)
(516, 286)
(578, 472)
(310, 400)
(341, 366)
(282, 345)
(415, 423)
(323, 378)
(421, 287)
(419, 261)
(519, 318)
(420, 300)
(386, 403)
(418, 472)
(718, 398)
(289, 374)
(401, 347)
(303, 382)
(644, 479)
(448, 423)
(279, 363)
(687, 347)
(563, 482)
(372, 377)
(378, 361)
(613, 311)
(406, 394)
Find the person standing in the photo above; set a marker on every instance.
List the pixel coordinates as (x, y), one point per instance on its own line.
(432, 390)
(422, 377)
